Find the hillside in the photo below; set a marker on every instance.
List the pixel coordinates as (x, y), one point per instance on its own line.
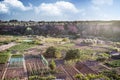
(73, 29)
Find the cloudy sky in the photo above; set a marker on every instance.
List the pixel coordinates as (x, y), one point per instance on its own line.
(59, 10)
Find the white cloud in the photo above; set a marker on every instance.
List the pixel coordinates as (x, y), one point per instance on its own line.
(47, 9)
(102, 2)
(3, 8)
(66, 6)
(58, 8)
(17, 4)
(98, 9)
(6, 5)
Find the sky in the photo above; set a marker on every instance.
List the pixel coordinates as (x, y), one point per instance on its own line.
(59, 10)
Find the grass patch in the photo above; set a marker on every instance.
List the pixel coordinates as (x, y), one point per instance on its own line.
(115, 63)
(51, 77)
(21, 47)
(50, 39)
(4, 57)
(17, 55)
(65, 46)
(68, 45)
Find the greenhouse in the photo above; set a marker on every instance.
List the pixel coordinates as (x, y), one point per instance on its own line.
(16, 61)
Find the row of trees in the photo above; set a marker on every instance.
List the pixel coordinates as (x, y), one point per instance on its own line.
(53, 52)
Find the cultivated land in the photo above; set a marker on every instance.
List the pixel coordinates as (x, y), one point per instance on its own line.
(42, 57)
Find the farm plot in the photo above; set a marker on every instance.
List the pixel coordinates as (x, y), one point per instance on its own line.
(62, 74)
(71, 71)
(96, 66)
(3, 62)
(2, 69)
(15, 73)
(84, 69)
(15, 68)
(35, 66)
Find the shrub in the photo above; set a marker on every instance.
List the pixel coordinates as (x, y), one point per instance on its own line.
(51, 77)
(79, 76)
(72, 54)
(65, 39)
(103, 57)
(52, 65)
(58, 54)
(52, 52)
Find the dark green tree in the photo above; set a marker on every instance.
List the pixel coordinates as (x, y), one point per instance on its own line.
(72, 54)
(52, 52)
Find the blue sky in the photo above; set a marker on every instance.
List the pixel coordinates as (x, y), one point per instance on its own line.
(60, 10)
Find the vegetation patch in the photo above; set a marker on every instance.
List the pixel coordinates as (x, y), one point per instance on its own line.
(78, 54)
(52, 52)
(102, 57)
(4, 57)
(91, 77)
(6, 39)
(72, 54)
(115, 63)
(65, 46)
(21, 47)
(50, 39)
(113, 75)
(42, 78)
(52, 65)
(17, 55)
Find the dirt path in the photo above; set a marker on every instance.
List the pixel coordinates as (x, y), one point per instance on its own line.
(7, 46)
(25, 69)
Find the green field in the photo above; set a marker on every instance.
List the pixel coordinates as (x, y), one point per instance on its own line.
(21, 47)
(4, 57)
(65, 46)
